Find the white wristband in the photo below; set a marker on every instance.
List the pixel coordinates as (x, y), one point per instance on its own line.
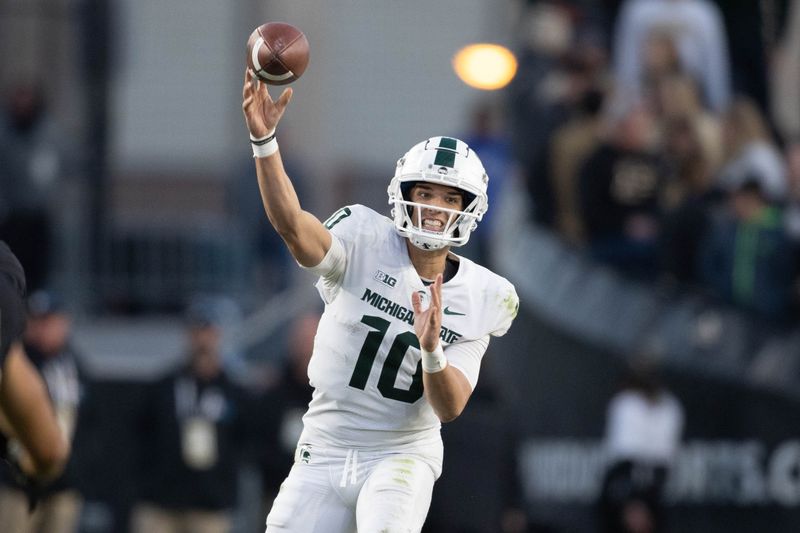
(434, 361)
(264, 146)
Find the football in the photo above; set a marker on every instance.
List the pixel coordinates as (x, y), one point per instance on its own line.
(277, 53)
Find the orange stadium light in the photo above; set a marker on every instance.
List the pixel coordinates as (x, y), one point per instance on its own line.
(485, 66)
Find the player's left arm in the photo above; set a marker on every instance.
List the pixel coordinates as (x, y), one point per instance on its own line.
(27, 415)
(446, 387)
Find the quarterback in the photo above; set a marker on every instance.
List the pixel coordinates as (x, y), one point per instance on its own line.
(399, 346)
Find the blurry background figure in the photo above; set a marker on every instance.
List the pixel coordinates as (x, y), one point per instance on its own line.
(750, 151)
(47, 344)
(576, 138)
(686, 201)
(194, 430)
(785, 77)
(660, 59)
(269, 266)
(479, 490)
(31, 165)
(487, 138)
(748, 258)
(282, 409)
(677, 97)
(659, 37)
(644, 426)
(619, 185)
(793, 207)
(545, 31)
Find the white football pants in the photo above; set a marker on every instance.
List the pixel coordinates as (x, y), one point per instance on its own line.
(334, 490)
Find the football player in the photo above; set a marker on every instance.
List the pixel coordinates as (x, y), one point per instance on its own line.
(39, 450)
(399, 345)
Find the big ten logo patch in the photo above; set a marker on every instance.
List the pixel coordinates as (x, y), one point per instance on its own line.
(385, 278)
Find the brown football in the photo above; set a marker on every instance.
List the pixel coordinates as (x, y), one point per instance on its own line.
(277, 53)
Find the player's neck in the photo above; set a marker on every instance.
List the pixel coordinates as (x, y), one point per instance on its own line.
(427, 263)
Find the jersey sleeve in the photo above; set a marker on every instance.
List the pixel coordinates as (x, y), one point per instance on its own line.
(504, 308)
(467, 357)
(330, 270)
(352, 227)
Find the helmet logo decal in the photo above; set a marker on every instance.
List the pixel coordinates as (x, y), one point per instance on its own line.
(445, 158)
(446, 152)
(442, 170)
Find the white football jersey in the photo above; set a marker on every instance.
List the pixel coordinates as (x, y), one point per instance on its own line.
(365, 368)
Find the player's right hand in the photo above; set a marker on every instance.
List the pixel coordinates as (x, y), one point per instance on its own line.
(261, 113)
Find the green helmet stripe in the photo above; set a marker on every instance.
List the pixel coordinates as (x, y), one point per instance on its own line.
(446, 153)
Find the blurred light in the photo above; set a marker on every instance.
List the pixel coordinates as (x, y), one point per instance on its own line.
(485, 66)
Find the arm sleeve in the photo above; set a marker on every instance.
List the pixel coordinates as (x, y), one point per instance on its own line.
(330, 270)
(467, 357)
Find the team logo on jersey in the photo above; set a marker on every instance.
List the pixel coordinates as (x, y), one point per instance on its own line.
(385, 278)
(423, 299)
(304, 453)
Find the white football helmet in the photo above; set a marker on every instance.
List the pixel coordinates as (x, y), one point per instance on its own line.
(442, 161)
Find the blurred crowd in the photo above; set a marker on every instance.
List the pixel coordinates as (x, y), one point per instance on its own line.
(163, 454)
(662, 138)
(659, 137)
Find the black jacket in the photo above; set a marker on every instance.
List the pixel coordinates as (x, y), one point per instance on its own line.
(175, 478)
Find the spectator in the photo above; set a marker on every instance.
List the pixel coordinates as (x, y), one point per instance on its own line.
(287, 401)
(750, 152)
(696, 29)
(487, 138)
(644, 425)
(748, 258)
(676, 99)
(620, 184)
(485, 467)
(752, 32)
(196, 435)
(687, 200)
(31, 442)
(785, 77)
(31, 164)
(269, 266)
(535, 97)
(47, 344)
(572, 143)
(793, 208)
(660, 59)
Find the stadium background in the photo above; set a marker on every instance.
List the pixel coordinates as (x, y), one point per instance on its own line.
(156, 204)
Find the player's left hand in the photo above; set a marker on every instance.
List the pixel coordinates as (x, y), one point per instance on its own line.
(428, 322)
